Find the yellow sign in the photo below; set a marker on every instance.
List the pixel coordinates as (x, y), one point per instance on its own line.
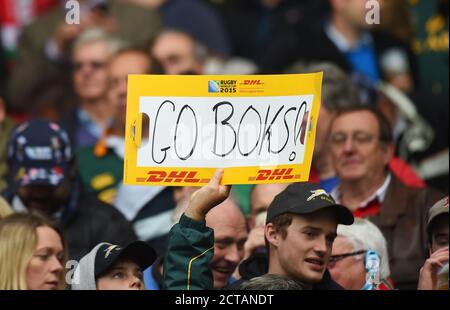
(259, 128)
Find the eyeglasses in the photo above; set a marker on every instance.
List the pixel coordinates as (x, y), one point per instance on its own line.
(93, 64)
(335, 258)
(358, 137)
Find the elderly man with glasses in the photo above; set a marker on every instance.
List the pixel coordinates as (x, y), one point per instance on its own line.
(361, 146)
(348, 264)
(91, 52)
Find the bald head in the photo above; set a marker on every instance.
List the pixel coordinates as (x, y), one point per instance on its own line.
(230, 234)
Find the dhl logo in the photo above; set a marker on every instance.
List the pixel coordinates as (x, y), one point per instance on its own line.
(172, 177)
(276, 174)
(252, 82)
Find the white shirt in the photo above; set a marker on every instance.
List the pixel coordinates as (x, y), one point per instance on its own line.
(379, 194)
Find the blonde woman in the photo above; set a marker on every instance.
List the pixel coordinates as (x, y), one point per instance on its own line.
(32, 253)
(5, 209)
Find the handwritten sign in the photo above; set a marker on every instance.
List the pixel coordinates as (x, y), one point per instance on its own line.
(260, 129)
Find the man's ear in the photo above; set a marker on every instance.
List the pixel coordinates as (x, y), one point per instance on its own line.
(272, 235)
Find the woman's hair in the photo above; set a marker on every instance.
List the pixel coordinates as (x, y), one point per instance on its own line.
(18, 240)
(5, 209)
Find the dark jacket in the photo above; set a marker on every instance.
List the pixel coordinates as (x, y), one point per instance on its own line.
(89, 221)
(318, 47)
(257, 265)
(190, 249)
(402, 220)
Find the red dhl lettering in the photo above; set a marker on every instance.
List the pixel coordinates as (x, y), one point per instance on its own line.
(276, 174)
(172, 177)
(252, 82)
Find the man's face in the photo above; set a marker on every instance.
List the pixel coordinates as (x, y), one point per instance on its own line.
(349, 272)
(90, 74)
(356, 148)
(119, 69)
(261, 197)
(306, 250)
(440, 233)
(323, 130)
(230, 234)
(123, 275)
(44, 198)
(175, 52)
(353, 11)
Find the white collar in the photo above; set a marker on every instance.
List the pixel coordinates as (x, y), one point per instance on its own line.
(379, 194)
(342, 43)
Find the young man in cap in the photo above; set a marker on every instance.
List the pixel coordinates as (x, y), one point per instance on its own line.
(437, 230)
(111, 267)
(300, 229)
(43, 178)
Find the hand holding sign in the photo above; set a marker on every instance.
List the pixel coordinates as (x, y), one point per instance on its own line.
(207, 197)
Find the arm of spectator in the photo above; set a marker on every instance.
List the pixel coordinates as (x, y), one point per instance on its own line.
(207, 197)
(190, 245)
(428, 279)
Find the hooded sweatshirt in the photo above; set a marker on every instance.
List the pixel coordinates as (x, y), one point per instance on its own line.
(84, 275)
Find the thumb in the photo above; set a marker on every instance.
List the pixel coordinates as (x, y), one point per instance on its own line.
(215, 180)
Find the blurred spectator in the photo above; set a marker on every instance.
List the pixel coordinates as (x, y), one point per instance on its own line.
(45, 44)
(396, 19)
(437, 231)
(338, 93)
(6, 126)
(431, 45)
(33, 253)
(361, 148)
(14, 15)
(43, 178)
(195, 17)
(111, 267)
(91, 52)
(265, 31)
(271, 282)
(431, 21)
(5, 208)
(179, 53)
(348, 260)
(346, 39)
(101, 165)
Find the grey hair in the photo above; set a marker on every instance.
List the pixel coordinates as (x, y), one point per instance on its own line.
(364, 235)
(338, 91)
(95, 34)
(271, 282)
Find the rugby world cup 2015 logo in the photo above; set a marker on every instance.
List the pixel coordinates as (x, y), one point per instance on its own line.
(213, 86)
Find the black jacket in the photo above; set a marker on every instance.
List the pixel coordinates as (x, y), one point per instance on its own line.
(257, 265)
(318, 47)
(89, 222)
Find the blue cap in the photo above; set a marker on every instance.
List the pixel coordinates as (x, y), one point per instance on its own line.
(39, 153)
